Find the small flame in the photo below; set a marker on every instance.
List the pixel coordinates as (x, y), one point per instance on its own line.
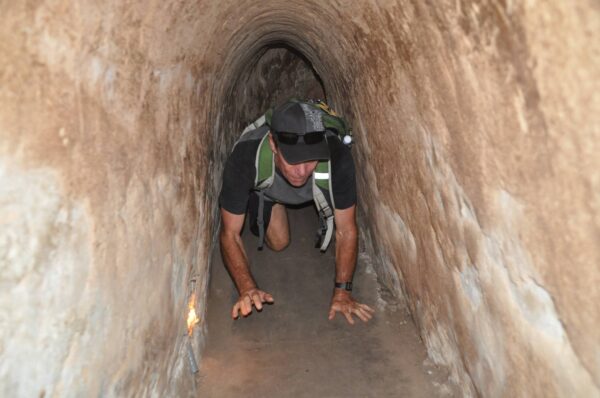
(192, 318)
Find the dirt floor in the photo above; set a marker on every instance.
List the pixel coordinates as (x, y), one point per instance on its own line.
(290, 349)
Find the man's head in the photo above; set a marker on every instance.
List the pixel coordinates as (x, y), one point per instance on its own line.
(298, 140)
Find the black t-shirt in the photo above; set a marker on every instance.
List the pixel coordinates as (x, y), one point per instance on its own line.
(240, 171)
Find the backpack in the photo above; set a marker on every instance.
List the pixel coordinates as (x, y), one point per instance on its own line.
(336, 127)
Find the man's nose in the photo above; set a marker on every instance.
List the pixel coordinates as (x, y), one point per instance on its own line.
(302, 170)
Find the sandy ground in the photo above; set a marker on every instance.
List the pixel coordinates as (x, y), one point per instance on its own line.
(290, 349)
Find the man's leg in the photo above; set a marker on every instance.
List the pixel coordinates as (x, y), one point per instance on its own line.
(277, 235)
(278, 231)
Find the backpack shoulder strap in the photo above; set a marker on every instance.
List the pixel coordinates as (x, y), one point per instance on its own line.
(265, 165)
(322, 175)
(322, 190)
(265, 173)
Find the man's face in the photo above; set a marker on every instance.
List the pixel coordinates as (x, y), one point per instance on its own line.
(296, 174)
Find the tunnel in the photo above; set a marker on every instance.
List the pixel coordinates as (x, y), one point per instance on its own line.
(476, 140)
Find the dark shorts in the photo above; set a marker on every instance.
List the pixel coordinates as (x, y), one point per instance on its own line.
(253, 213)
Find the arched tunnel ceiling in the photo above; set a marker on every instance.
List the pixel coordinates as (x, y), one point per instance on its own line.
(299, 26)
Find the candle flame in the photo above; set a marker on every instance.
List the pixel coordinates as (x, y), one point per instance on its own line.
(192, 318)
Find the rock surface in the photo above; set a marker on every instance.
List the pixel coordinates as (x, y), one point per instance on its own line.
(478, 131)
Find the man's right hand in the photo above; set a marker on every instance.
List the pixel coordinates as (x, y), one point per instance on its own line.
(249, 298)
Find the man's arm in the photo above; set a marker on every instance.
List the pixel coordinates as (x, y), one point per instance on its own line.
(346, 244)
(346, 248)
(236, 262)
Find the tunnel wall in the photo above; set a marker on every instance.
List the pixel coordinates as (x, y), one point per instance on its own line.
(102, 199)
(480, 187)
(476, 127)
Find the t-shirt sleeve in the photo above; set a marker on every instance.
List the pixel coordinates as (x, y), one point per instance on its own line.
(238, 178)
(343, 176)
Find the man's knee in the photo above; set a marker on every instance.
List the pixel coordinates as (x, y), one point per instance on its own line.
(278, 244)
(278, 235)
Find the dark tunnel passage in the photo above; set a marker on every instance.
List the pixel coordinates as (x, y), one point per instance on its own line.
(271, 75)
(475, 126)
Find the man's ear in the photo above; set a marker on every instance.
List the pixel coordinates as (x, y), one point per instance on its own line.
(272, 143)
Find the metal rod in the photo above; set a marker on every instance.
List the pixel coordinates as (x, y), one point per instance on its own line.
(191, 357)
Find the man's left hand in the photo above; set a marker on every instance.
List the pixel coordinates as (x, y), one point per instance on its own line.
(344, 303)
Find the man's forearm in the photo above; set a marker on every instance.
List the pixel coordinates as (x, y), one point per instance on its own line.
(346, 248)
(236, 262)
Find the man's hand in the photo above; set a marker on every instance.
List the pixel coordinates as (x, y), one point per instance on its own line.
(248, 298)
(344, 303)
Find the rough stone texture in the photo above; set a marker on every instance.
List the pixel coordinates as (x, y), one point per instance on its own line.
(102, 198)
(477, 126)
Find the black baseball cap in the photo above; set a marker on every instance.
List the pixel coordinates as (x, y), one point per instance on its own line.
(299, 118)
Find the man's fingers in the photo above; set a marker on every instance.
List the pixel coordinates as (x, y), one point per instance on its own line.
(257, 300)
(366, 307)
(246, 304)
(362, 311)
(267, 297)
(365, 312)
(235, 310)
(247, 300)
(331, 314)
(348, 316)
(362, 314)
